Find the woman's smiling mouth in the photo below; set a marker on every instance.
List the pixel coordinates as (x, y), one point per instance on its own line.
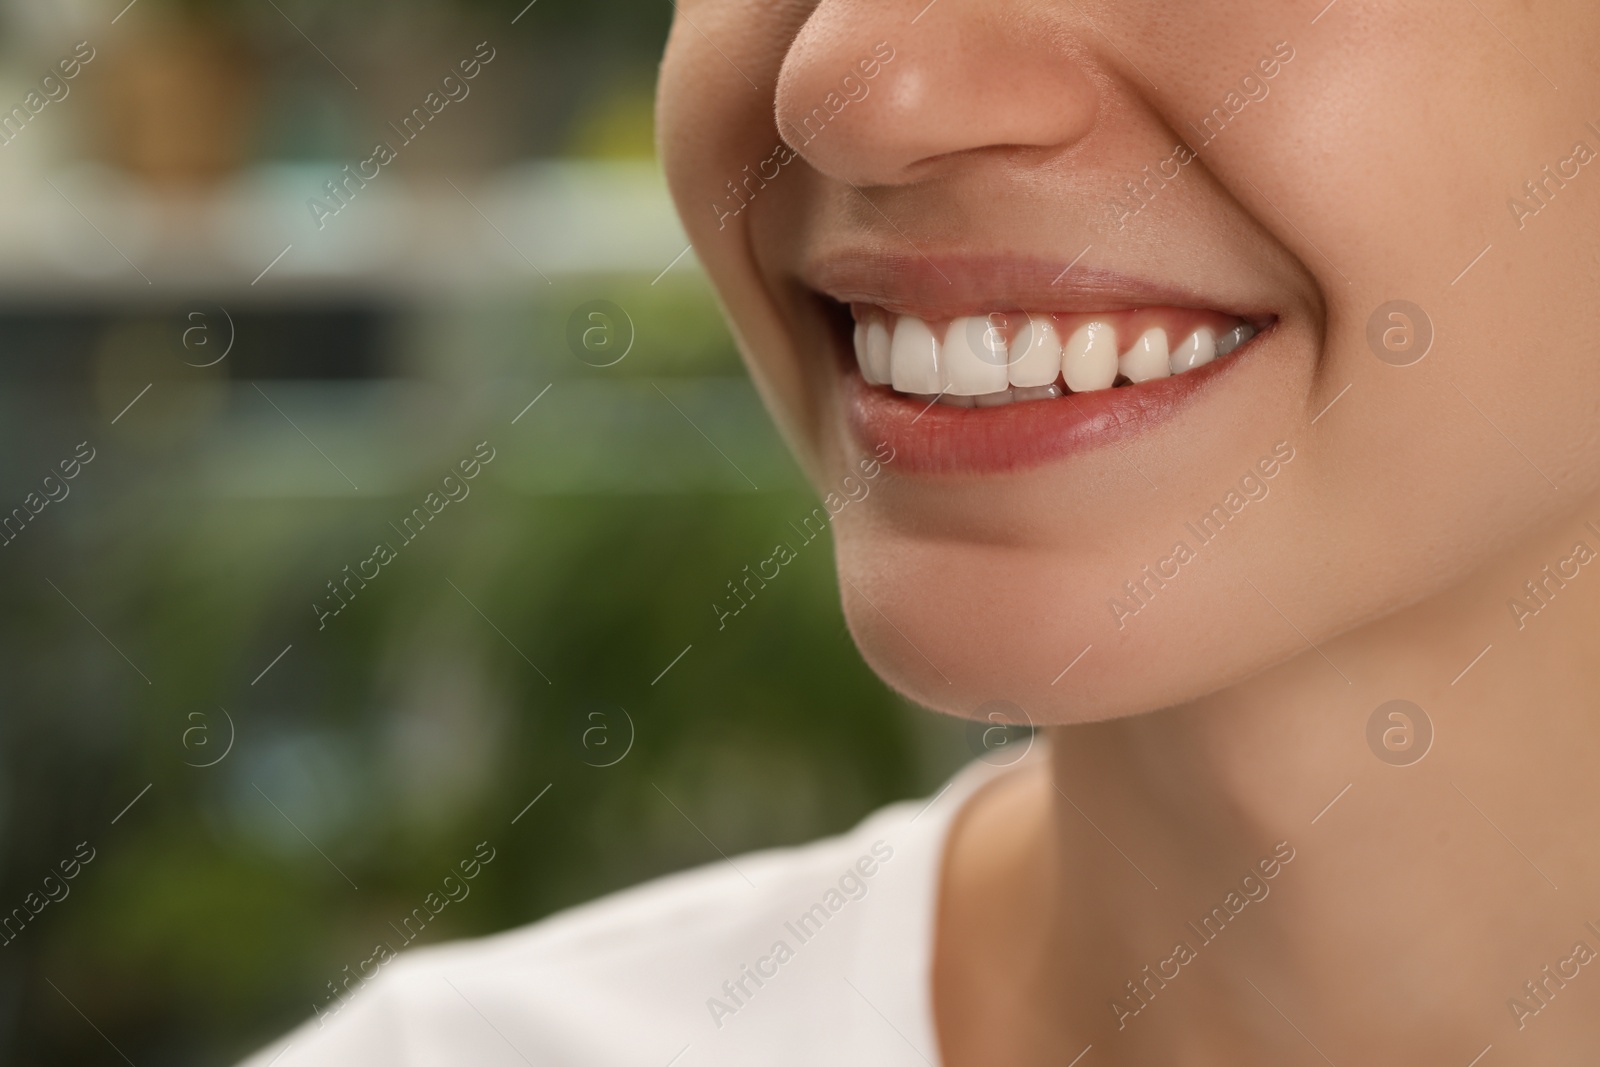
(958, 389)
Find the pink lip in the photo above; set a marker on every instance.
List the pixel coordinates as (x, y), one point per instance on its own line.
(942, 439)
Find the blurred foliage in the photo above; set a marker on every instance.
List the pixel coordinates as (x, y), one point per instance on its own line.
(617, 124)
(416, 724)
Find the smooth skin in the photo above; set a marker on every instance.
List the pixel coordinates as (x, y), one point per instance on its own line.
(1223, 717)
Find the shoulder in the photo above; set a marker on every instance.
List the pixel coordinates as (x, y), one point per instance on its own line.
(732, 959)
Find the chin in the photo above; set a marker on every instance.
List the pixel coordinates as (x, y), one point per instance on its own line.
(958, 626)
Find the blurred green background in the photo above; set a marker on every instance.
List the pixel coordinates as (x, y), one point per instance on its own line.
(552, 629)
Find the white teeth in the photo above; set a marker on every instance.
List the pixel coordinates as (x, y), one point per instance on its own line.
(914, 358)
(1035, 353)
(1148, 358)
(1234, 338)
(878, 353)
(974, 358)
(975, 365)
(1198, 349)
(872, 351)
(1089, 358)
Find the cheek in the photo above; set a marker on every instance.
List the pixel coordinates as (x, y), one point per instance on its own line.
(712, 125)
(711, 117)
(1421, 472)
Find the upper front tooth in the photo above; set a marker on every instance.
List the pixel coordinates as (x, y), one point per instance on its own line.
(878, 352)
(1036, 353)
(1148, 358)
(974, 358)
(1089, 358)
(914, 357)
(1198, 349)
(860, 341)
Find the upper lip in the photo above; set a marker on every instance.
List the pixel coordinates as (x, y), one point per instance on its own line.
(946, 286)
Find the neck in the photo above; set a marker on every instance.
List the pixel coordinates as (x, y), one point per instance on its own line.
(1442, 874)
(1278, 861)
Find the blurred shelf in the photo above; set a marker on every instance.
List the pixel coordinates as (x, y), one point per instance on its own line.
(91, 236)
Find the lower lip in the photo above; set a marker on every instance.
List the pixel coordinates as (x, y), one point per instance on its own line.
(943, 439)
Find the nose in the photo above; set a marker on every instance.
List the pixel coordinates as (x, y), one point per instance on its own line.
(873, 92)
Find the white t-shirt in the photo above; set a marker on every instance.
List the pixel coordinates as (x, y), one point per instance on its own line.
(820, 954)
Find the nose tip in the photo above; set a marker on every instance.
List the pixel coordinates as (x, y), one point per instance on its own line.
(866, 95)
